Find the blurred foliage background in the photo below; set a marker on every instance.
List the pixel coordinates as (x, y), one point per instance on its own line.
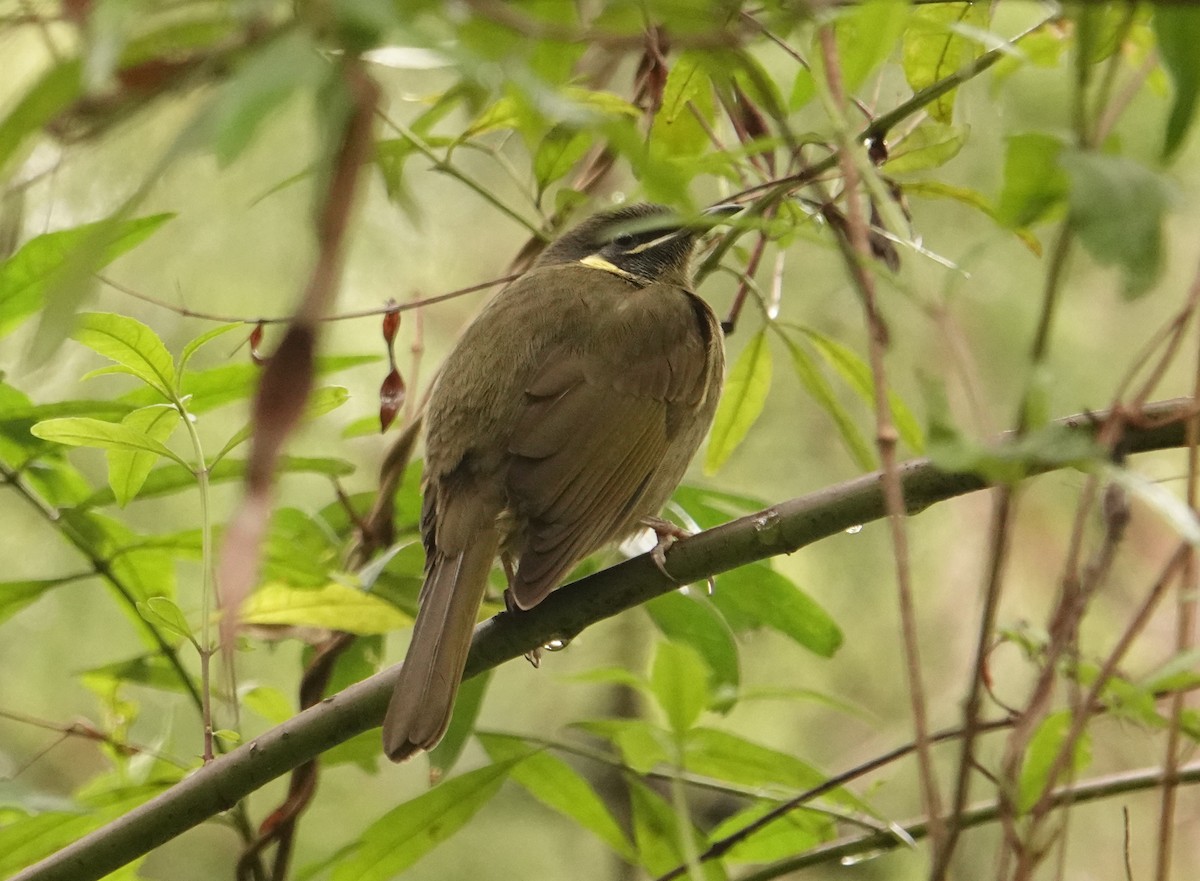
(225, 117)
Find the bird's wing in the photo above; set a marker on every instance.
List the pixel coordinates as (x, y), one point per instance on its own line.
(590, 437)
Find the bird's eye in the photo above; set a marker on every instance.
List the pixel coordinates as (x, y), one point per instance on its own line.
(624, 240)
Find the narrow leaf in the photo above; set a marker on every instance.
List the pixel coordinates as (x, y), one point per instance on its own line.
(405, 834)
(818, 386)
(742, 402)
(81, 431)
(1177, 28)
(16, 595)
(679, 680)
(132, 345)
(334, 606)
(127, 469)
(561, 788)
(27, 275)
(758, 596)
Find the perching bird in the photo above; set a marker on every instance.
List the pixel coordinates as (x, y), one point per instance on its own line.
(565, 416)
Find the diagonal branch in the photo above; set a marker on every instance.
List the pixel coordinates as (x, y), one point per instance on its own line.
(780, 529)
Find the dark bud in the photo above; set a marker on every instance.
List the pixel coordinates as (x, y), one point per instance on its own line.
(391, 322)
(391, 398)
(256, 338)
(877, 150)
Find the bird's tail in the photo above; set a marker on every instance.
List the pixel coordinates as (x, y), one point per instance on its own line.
(423, 700)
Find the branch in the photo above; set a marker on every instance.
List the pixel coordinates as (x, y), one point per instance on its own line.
(780, 529)
(977, 815)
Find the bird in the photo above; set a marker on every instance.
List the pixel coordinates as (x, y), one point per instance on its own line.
(561, 421)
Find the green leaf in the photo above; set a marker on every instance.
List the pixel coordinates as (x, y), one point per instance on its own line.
(1044, 747)
(323, 400)
(1117, 206)
(152, 671)
(866, 37)
(795, 832)
(334, 607)
(405, 834)
(171, 479)
(642, 744)
(268, 78)
(934, 49)
(692, 620)
(81, 431)
(679, 681)
(1034, 181)
(1178, 31)
(467, 705)
(132, 345)
(818, 386)
(26, 277)
(930, 145)
(857, 374)
(16, 595)
(758, 596)
(53, 93)
(725, 756)
(557, 154)
(25, 840)
(657, 830)
(678, 129)
(208, 336)
(162, 612)
(558, 786)
(742, 402)
(128, 470)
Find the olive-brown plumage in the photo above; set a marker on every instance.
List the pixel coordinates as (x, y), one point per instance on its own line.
(566, 414)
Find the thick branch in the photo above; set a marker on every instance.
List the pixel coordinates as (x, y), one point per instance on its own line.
(780, 529)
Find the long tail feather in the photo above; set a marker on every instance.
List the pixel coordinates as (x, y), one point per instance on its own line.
(423, 700)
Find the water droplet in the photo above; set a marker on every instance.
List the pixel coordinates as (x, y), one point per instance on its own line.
(557, 644)
(862, 857)
(766, 524)
(854, 530)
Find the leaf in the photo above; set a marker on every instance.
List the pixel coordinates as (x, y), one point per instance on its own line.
(128, 470)
(857, 374)
(1034, 181)
(334, 607)
(1117, 206)
(132, 345)
(758, 596)
(558, 786)
(405, 834)
(208, 336)
(642, 744)
(742, 402)
(25, 840)
(82, 431)
(866, 37)
(1047, 741)
(657, 830)
(692, 620)
(268, 78)
(930, 145)
(557, 154)
(1177, 29)
(467, 705)
(52, 94)
(679, 682)
(795, 832)
(26, 277)
(679, 127)
(934, 49)
(322, 400)
(818, 386)
(725, 756)
(171, 479)
(163, 613)
(16, 595)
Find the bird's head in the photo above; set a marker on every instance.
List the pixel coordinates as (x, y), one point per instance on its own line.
(643, 242)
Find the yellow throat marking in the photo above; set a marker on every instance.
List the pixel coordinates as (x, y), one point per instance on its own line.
(595, 261)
